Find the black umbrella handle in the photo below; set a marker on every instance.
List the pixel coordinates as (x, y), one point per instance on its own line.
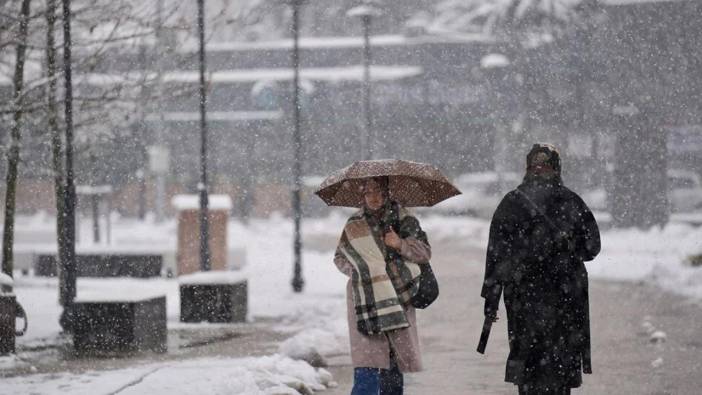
(485, 334)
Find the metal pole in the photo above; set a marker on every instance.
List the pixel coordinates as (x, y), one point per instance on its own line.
(94, 200)
(202, 185)
(297, 282)
(142, 191)
(95, 207)
(68, 272)
(370, 139)
(108, 230)
(160, 138)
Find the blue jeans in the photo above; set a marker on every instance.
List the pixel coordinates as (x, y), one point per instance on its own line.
(374, 381)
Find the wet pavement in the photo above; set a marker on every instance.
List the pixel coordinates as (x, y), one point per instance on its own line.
(625, 360)
(623, 317)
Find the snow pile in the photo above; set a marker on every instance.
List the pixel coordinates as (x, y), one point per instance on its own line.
(647, 326)
(657, 363)
(657, 256)
(308, 346)
(5, 280)
(6, 284)
(11, 362)
(263, 375)
(658, 337)
(317, 340)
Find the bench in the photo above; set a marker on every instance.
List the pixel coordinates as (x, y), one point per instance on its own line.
(104, 265)
(123, 325)
(214, 296)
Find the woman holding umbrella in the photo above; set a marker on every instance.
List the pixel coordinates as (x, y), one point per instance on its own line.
(381, 250)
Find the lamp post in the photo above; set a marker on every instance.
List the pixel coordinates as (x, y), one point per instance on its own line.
(202, 185)
(298, 282)
(366, 12)
(160, 143)
(67, 280)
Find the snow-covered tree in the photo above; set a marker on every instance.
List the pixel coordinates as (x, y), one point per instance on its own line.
(500, 17)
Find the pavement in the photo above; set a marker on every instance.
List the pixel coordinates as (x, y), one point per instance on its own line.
(623, 316)
(625, 361)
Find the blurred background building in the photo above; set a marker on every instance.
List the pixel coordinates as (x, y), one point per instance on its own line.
(615, 84)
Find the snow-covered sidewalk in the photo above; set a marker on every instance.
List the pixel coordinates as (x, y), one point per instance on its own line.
(313, 324)
(269, 375)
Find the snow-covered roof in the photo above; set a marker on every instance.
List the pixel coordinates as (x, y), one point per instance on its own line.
(223, 116)
(212, 277)
(336, 42)
(348, 73)
(192, 202)
(632, 2)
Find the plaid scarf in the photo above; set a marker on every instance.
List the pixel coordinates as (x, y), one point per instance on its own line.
(382, 281)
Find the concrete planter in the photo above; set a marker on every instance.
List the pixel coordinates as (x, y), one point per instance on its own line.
(120, 326)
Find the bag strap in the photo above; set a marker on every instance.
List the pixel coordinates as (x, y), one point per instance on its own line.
(538, 210)
(20, 313)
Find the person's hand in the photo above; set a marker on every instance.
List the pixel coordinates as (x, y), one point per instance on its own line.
(493, 318)
(392, 240)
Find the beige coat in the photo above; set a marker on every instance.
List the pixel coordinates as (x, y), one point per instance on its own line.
(374, 351)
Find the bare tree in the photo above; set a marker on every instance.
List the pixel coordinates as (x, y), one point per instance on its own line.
(13, 155)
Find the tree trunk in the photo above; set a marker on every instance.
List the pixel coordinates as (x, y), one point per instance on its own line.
(13, 155)
(56, 139)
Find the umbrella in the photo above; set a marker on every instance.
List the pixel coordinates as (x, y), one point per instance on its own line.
(412, 184)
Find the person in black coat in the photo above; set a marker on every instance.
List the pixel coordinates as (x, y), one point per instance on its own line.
(540, 236)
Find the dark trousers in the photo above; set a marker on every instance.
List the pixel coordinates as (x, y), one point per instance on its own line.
(530, 390)
(374, 381)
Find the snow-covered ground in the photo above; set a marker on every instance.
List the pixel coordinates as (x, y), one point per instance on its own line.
(315, 319)
(656, 256)
(318, 313)
(275, 374)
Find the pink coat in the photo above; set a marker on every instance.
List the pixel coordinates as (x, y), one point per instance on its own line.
(374, 351)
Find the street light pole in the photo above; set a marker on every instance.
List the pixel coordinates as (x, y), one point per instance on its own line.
(366, 12)
(202, 185)
(298, 282)
(160, 134)
(67, 279)
(366, 19)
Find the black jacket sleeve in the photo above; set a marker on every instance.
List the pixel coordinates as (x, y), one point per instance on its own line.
(499, 252)
(587, 233)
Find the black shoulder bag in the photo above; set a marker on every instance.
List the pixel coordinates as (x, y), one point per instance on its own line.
(428, 285)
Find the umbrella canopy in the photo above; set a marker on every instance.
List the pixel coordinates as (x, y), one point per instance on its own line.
(412, 184)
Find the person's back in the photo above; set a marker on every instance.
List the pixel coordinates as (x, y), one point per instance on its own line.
(540, 236)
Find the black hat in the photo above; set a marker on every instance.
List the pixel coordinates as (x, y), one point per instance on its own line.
(543, 157)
